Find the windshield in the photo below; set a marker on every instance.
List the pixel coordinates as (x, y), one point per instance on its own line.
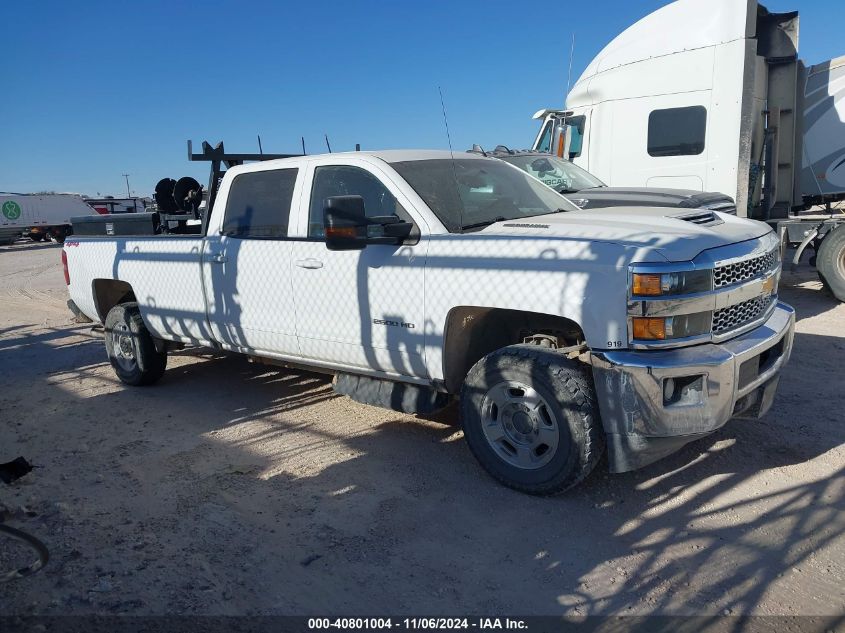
(470, 193)
(559, 174)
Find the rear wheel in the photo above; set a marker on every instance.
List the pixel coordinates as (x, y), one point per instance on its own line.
(531, 419)
(59, 234)
(36, 237)
(830, 262)
(130, 347)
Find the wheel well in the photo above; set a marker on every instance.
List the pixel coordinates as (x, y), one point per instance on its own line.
(473, 332)
(110, 292)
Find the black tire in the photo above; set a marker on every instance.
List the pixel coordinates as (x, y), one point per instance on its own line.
(825, 285)
(569, 412)
(37, 237)
(59, 235)
(830, 262)
(130, 347)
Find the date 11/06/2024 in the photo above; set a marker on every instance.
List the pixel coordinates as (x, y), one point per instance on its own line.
(417, 623)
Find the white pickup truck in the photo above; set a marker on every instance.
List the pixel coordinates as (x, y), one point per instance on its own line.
(415, 276)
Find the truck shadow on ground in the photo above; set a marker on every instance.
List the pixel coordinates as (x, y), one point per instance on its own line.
(228, 483)
(690, 534)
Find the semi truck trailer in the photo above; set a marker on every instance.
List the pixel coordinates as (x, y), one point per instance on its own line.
(39, 216)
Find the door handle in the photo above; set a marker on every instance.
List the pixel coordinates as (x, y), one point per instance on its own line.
(309, 263)
(218, 258)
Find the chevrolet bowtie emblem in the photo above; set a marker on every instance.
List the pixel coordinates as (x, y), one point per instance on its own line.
(769, 285)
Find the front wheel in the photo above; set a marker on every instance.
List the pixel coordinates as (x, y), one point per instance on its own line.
(130, 347)
(531, 418)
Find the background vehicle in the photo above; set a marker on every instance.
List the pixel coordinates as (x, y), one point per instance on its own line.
(712, 95)
(588, 192)
(39, 216)
(416, 276)
(110, 204)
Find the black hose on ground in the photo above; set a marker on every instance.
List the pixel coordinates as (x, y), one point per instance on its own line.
(10, 472)
(34, 543)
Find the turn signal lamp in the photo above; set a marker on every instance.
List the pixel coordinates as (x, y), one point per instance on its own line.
(647, 285)
(649, 329)
(671, 284)
(341, 231)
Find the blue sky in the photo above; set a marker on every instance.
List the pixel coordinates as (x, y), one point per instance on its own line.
(93, 90)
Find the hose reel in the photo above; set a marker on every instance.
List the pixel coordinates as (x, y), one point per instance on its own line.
(182, 196)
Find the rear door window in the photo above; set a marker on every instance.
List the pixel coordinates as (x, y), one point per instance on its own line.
(258, 206)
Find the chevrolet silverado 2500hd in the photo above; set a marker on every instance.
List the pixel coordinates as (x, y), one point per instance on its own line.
(414, 276)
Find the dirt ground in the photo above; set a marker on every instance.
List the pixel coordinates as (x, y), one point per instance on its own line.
(231, 488)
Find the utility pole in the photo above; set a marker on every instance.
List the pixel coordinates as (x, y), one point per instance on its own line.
(128, 195)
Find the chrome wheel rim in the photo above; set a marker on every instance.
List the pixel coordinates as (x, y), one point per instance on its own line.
(519, 425)
(124, 346)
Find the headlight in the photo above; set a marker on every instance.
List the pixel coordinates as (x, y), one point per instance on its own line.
(668, 305)
(674, 327)
(669, 284)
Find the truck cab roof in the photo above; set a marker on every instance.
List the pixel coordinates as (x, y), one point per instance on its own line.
(387, 155)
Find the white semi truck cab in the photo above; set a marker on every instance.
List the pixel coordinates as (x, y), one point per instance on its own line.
(711, 95)
(417, 277)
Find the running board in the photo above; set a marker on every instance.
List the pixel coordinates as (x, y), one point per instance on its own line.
(388, 394)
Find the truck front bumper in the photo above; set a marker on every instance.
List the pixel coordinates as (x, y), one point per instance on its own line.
(654, 402)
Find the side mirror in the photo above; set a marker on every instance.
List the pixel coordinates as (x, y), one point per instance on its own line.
(347, 226)
(345, 222)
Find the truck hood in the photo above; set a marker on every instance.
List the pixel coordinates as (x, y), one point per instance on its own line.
(675, 234)
(600, 197)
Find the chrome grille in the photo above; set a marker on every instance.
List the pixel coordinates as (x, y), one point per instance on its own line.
(736, 316)
(744, 270)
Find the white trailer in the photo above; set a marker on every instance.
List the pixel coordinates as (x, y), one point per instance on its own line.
(711, 95)
(38, 216)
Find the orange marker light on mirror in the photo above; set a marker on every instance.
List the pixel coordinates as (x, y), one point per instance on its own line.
(647, 285)
(341, 231)
(649, 329)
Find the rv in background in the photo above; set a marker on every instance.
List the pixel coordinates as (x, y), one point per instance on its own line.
(39, 217)
(711, 95)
